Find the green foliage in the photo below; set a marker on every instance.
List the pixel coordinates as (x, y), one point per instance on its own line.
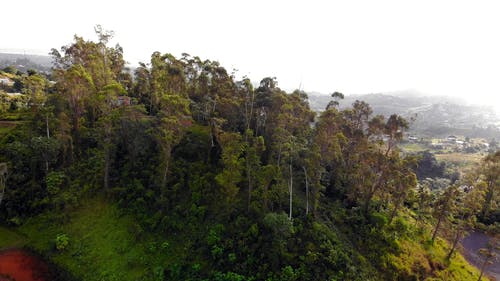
(204, 177)
(9, 69)
(428, 166)
(231, 175)
(379, 220)
(62, 242)
(10, 238)
(214, 235)
(54, 181)
(279, 225)
(229, 276)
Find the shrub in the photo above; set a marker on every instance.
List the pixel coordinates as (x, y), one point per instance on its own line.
(54, 181)
(62, 242)
(279, 224)
(379, 220)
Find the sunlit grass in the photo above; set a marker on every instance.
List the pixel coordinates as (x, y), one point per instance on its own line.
(413, 147)
(102, 244)
(419, 255)
(464, 160)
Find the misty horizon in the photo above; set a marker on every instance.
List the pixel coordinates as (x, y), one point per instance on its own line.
(446, 48)
(409, 92)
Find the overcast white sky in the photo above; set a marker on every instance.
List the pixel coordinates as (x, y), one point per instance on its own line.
(438, 47)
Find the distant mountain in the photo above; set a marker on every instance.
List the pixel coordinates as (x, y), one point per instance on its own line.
(431, 115)
(23, 62)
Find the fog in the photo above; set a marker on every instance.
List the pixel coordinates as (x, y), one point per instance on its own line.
(436, 47)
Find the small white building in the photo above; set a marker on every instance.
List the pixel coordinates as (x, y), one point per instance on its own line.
(412, 138)
(6, 81)
(451, 138)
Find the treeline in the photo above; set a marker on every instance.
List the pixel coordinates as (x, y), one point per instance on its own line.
(263, 187)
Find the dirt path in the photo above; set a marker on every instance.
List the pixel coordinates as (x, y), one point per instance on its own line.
(22, 266)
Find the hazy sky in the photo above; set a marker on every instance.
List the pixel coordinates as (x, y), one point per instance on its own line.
(437, 47)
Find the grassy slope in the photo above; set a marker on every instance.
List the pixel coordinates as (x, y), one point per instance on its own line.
(460, 158)
(420, 256)
(413, 147)
(101, 245)
(11, 239)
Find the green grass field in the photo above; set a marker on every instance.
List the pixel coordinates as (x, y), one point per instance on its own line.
(460, 158)
(465, 162)
(413, 147)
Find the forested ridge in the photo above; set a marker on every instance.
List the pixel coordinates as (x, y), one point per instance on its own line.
(223, 180)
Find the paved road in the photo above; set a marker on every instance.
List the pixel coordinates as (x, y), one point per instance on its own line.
(472, 243)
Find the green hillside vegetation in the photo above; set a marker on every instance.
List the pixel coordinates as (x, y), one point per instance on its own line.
(103, 238)
(10, 238)
(182, 172)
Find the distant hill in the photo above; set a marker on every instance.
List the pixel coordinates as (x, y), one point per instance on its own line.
(23, 62)
(432, 115)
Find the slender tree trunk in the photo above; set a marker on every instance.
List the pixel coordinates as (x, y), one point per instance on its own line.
(48, 136)
(458, 235)
(107, 152)
(396, 207)
(165, 170)
(371, 192)
(483, 267)
(251, 111)
(76, 131)
(249, 115)
(107, 157)
(106, 167)
(420, 213)
(389, 147)
(47, 125)
(434, 234)
(394, 211)
(212, 144)
(250, 183)
(307, 190)
(291, 188)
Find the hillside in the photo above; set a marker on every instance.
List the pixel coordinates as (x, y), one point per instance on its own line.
(183, 172)
(24, 62)
(432, 116)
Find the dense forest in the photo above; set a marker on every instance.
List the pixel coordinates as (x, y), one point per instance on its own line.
(216, 178)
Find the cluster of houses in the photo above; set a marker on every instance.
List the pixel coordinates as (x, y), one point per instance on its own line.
(450, 142)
